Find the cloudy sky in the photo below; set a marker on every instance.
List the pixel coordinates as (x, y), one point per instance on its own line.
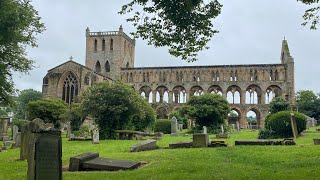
(251, 32)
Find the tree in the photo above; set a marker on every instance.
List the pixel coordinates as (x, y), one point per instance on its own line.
(75, 115)
(209, 110)
(184, 26)
(22, 101)
(308, 103)
(311, 16)
(278, 104)
(116, 106)
(49, 110)
(19, 25)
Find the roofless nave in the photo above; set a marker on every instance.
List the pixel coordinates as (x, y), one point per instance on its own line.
(110, 56)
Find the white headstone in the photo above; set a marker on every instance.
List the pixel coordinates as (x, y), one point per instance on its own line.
(17, 140)
(15, 130)
(222, 129)
(204, 130)
(174, 126)
(95, 136)
(68, 129)
(238, 125)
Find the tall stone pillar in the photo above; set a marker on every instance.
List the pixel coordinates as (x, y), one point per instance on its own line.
(170, 97)
(187, 95)
(263, 97)
(243, 97)
(154, 96)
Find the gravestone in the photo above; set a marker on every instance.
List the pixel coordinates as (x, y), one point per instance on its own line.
(26, 132)
(180, 127)
(149, 144)
(44, 160)
(7, 143)
(222, 129)
(204, 130)
(158, 135)
(233, 126)
(17, 141)
(3, 127)
(75, 163)
(294, 126)
(174, 126)
(238, 125)
(200, 140)
(39, 122)
(193, 123)
(95, 136)
(316, 141)
(15, 130)
(68, 129)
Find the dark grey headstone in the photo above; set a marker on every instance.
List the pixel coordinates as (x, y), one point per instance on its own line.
(26, 134)
(75, 163)
(106, 164)
(44, 160)
(149, 144)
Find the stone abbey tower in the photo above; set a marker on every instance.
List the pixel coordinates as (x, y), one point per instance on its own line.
(110, 56)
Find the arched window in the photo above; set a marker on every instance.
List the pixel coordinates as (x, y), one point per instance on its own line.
(103, 45)
(111, 44)
(70, 88)
(45, 80)
(127, 65)
(95, 44)
(107, 66)
(98, 67)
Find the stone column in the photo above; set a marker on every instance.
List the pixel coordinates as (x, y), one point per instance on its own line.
(188, 95)
(243, 97)
(170, 97)
(263, 97)
(154, 96)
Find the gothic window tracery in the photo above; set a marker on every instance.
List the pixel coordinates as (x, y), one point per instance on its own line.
(70, 88)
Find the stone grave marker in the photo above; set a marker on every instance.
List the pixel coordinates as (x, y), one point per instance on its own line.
(44, 160)
(26, 132)
(17, 141)
(222, 129)
(200, 140)
(39, 122)
(294, 126)
(15, 130)
(149, 144)
(68, 124)
(204, 130)
(174, 126)
(180, 127)
(95, 136)
(3, 128)
(238, 125)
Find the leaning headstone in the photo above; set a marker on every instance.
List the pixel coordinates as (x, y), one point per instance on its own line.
(75, 163)
(222, 129)
(294, 126)
(44, 160)
(204, 131)
(149, 144)
(26, 132)
(200, 140)
(174, 126)
(95, 136)
(238, 125)
(15, 130)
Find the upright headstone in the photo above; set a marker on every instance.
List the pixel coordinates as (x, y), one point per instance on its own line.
(17, 140)
(294, 126)
(238, 125)
(3, 128)
(15, 130)
(222, 129)
(68, 129)
(204, 130)
(95, 136)
(189, 123)
(233, 126)
(44, 160)
(174, 126)
(26, 132)
(39, 122)
(193, 124)
(180, 127)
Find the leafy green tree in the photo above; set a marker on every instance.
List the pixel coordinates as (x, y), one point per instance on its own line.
(308, 103)
(278, 104)
(22, 101)
(311, 16)
(19, 23)
(209, 110)
(184, 26)
(75, 115)
(182, 118)
(49, 110)
(116, 106)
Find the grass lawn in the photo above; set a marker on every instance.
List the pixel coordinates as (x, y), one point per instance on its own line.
(234, 162)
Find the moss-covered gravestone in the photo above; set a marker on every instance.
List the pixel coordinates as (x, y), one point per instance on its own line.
(44, 159)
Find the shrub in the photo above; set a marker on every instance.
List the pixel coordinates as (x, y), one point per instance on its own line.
(266, 134)
(281, 125)
(19, 122)
(163, 125)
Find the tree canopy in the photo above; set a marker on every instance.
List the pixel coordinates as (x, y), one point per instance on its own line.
(19, 23)
(22, 101)
(311, 15)
(209, 110)
(308, 103)
(116, 106)
(278, 104)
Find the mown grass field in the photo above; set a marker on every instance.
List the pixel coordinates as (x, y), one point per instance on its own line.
(301, 161)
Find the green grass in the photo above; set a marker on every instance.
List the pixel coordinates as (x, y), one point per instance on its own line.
(235, 162)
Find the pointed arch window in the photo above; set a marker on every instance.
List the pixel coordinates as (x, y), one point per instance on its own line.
(95, 44)
(127, 65)
(70, 88)
(111, 44)
(98, 67)
(103, 45)
(107, 66)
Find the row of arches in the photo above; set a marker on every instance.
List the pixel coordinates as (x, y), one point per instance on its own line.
(103, 44)
(251, 75)
(253, 94)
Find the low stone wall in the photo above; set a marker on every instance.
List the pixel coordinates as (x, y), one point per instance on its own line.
(180, 145)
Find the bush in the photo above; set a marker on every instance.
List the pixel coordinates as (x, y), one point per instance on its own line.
(266, 134)
(163, 125)
(19, 122)
(281, 125)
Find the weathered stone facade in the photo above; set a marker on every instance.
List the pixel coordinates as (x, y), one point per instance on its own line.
(110, 56)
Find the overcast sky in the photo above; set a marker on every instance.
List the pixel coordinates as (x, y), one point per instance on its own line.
(251, 32)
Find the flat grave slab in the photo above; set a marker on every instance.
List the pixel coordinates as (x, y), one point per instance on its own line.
(106, 164)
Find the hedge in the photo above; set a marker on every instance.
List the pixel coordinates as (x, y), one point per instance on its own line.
(162, 125)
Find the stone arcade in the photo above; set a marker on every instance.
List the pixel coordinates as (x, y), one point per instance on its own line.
(110, 56)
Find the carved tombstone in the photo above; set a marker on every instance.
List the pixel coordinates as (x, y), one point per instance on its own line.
(3, 128)
(39, 122)
(95, 136)
(14, 132)
(44, 160)
(17, 140)
(174, 126)
(204, 130)
(26, 132)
